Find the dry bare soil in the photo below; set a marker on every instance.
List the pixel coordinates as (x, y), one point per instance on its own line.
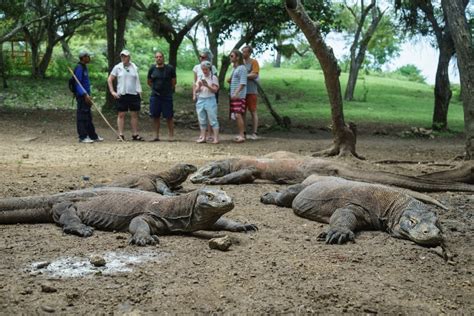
(282, 268)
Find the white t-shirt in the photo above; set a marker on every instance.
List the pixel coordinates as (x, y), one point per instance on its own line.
(205, 92)
(128, 81)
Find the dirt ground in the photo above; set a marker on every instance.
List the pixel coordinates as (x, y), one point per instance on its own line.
(282, 268)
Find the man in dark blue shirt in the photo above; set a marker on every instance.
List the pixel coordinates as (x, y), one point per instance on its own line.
(85, 127)
(162, 81)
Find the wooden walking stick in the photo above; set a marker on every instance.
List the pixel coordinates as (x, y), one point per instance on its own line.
(95, 106)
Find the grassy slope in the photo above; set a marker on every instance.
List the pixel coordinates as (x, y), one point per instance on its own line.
(302, 94)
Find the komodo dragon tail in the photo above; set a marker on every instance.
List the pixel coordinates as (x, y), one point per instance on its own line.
(402, 181)
(34, 209)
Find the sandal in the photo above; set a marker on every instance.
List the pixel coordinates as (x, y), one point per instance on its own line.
(156, 139)
(239, 140)
(121, 138)
(210, 139)
(137, 138)
(201, 140)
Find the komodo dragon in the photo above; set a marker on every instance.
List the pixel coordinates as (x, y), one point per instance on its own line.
(162, 182)
(246, 170)
(350, 206)
(144, 214)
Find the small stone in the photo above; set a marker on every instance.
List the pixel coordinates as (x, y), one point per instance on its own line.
(222, 243)
(86, 178)
(48, 288)
(97, 261)
(42, 264)
(25, 156)
(48, 309)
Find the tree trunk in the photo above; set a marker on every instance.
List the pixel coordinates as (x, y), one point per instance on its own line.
(442, 90)
(277, 63)
(116, 20)
(351, 81)
(173, 53)
(358, 49)
(225, 63)
(44, 63)
(344, 136)
(110, 30)
(463, 42)
(66, 49)
(3, 71)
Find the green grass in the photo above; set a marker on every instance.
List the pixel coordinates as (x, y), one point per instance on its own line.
(303, 98)
(388, 101)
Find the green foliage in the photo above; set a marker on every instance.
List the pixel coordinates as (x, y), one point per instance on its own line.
(411, 72)
(384, 45)
(308, 61)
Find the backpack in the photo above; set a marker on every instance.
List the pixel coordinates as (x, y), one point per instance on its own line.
(72, 81)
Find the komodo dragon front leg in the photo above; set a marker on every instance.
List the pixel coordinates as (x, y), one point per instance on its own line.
(283, 198)
(141, 232)
(162, 188)
(238, 177)
(343, 223)
(65, 215)
(232, 226)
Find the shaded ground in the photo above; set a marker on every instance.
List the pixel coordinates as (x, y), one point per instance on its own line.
(281, 268)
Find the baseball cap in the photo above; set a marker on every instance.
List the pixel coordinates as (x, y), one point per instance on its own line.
(84, 53)
(125, 53)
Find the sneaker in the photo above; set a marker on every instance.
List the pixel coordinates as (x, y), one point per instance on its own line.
(86, 140)
(253, 136)
(98, 139)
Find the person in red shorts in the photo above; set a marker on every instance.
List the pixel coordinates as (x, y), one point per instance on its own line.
(238, 83)
(253, 70)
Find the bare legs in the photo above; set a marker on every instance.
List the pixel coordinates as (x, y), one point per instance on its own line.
(133, 122)
(169, 122)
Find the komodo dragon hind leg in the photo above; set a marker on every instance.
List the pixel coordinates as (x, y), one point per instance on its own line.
(65, 214)
(238, 177)
(232, 226)
(283, 198)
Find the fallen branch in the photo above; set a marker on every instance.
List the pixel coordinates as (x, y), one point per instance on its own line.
(285, 121)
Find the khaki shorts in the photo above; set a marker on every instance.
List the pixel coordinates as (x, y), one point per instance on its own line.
(251, 102)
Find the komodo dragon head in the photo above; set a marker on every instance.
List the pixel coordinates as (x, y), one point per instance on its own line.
(420, 226)
(212, 170)
(213, 202)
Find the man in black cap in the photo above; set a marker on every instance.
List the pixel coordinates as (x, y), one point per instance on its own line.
(85, 127)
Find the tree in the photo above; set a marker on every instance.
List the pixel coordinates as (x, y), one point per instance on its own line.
(64, 17)
(14, 17)
(421, 16)
(259, 22)
(362, 37)
(344, 135)
(455, 11)
(116, 12)
(167, 23)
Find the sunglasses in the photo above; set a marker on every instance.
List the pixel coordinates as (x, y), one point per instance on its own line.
(202, 56)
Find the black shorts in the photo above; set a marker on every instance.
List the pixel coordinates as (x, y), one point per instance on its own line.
(128, 102)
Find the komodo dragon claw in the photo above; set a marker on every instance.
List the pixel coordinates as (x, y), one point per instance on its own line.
(81, 230)
(144, 240)
(250, 227)
(337, 236)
